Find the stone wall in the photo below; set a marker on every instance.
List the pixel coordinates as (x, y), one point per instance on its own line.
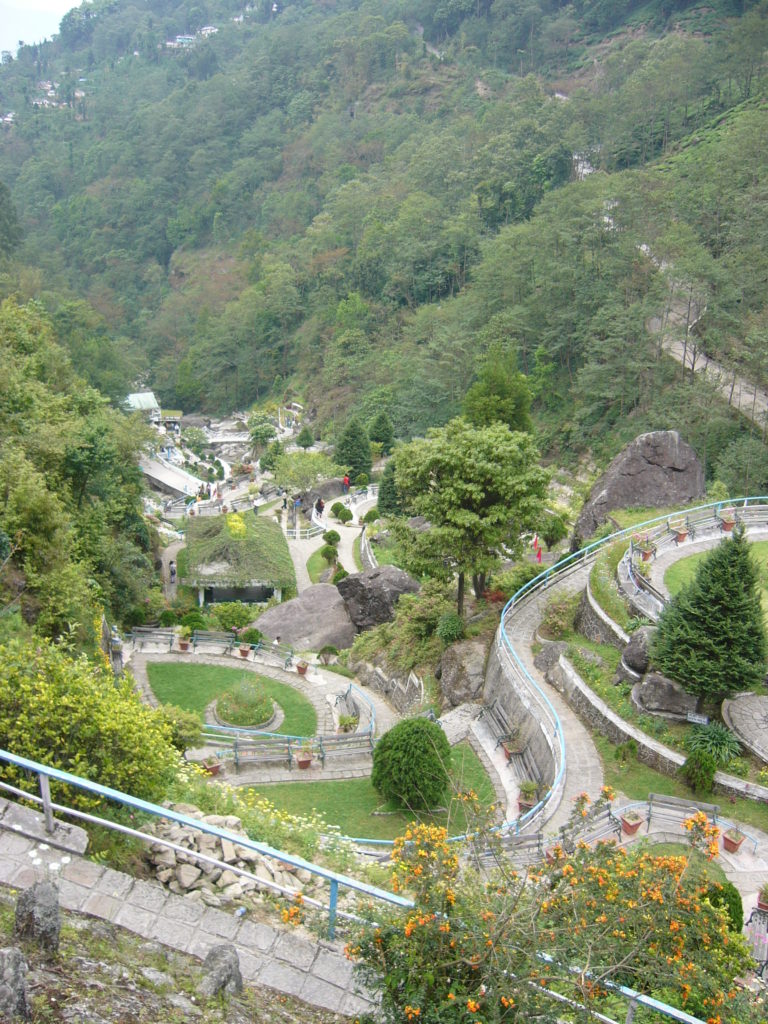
(596, 625)
(597, 715)
(403, 692)
(498, 688)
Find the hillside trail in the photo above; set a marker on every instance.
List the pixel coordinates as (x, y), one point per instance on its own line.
(741, 394)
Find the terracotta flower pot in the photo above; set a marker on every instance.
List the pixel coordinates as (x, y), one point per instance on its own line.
(681, 535)
(245, 651)
(630, 827)
(646, 555)
(304, 760)
(731, 845)
(301, 669)
(183, 645)
(727, 525)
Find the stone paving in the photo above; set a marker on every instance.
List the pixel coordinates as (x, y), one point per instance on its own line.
(289, 961)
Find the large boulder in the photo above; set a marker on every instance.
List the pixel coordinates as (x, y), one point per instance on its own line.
(657, 468)
(318, 616)
(221, 971)
(636, 655)
(659, 695)
(462, 672)
(370, 597)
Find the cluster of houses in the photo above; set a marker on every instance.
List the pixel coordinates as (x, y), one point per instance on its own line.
(185, 42)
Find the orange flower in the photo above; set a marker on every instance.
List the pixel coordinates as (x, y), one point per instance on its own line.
(473, 1006)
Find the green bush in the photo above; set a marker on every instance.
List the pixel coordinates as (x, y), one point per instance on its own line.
(714, 739)
(185, 727)
(232, 614)
(371, 516)
(168, 617)
(511, 580)
(327, 652)
(699, 771)
(727, 896)
(194, 620)
(245, 704)
(361, 480)
(450, 628)
(77, 717)
(340, 574)
(250, 635)
(558, 616)
(410, 764)
(331, 537)
(329, 553)
(336, 507)
(345, 515)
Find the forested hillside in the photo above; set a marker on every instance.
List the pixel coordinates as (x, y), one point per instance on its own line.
(354, 201)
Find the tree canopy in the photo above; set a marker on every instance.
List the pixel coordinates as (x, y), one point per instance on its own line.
(479, 488)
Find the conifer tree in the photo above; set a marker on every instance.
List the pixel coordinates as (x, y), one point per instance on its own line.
(711, 635)
(353, 449)
(389, 503)
(382, 431)
(305, 439)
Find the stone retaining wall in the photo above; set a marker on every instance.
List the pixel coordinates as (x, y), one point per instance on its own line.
(596, 713)
(404, 693)
(520, 716)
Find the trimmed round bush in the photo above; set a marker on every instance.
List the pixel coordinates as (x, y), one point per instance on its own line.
(371, 516)
(336, 507)
(345, 515)
(340, 574)
(450, 628)
(361, 480)
(410, 764)
(168, 617)
(329, 553)
(250, 635)
(331, 537)
(194, 620)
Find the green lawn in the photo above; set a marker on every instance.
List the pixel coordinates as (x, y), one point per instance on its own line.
(194, 687)
(316, 566)
(682, 572)
(637, 780)
(357, 809)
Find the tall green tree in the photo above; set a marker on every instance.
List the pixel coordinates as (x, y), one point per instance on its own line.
(389, 501)
(353, 449)
(382, 431)
(711, 635)
(479, 488)
(500, 394)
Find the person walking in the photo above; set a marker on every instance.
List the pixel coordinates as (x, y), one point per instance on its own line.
(172, 571)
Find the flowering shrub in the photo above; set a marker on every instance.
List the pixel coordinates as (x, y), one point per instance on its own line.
(469, 950)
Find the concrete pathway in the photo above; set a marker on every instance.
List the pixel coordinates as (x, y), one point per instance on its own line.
(288, 960)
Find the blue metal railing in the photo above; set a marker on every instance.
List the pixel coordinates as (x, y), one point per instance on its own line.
(46, 773)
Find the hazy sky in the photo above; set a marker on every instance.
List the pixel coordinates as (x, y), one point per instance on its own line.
(30, 20)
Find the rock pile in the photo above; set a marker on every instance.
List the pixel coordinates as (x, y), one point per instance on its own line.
(183, 873)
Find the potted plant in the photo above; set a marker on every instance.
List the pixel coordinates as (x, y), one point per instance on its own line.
(727, 519)
(245, 649)
(528, 793)
(184, 634)
(644, 545)
(631, 821)
(304, 756)
(762, 897)
(347, 723)
(680, 530)
(512, 745)
(301, 667)
(732, 840)
(211, 765)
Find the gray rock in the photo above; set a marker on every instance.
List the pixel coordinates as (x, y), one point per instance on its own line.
(37, 915)
(370, 597)
(657, 468)
(222, 972)
(13, 985)
(635, 655)
(463, 672)
(318, 616)
(549, 655)
(655, 693)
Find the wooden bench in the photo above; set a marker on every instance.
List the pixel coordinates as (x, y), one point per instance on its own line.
(756, 929)
(141, 635)
(524, 766)
(206, 636)
(262, 751)
(672, 807)
(498, 723)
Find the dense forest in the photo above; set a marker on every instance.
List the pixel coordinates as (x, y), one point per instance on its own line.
(352, 203)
